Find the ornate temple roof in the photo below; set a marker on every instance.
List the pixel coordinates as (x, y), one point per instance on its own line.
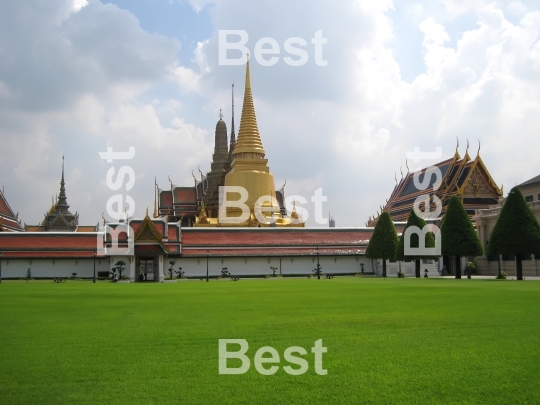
(59, 218)
(465, 177)
(9, 221)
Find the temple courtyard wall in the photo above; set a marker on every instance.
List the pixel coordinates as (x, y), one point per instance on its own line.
(195, 267)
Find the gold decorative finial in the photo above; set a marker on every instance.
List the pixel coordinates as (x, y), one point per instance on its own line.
(249, 140)
(202, 176)
(401, 170)
(220, 114)
(294, 214)
(478, 153)
(407, 164)
(146, 211)
(395, 177)
(170, 181)
(467, 150)
(457, 146)
(502, 190)
(194, 178)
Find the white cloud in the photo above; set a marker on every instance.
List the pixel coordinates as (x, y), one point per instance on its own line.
(78, 4)
(79, 82)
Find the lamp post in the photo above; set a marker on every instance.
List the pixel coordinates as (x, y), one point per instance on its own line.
(1, 267)
(94, 280)
(207, 266)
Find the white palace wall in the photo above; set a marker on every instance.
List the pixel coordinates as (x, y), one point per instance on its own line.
(260, 266)
(50, 268)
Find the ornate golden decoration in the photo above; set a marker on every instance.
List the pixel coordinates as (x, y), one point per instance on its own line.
(147, 231)
(477, 184)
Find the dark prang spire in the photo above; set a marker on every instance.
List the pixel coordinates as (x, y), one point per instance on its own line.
(62, 198)
(59, 219)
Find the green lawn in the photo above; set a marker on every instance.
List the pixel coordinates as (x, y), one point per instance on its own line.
(420, 341)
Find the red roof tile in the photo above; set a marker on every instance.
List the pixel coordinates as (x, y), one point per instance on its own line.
(275, 251)
(165, 199)
(172, 233)
(48, 241)
(274, 237)
(185, 195)
(4, 207)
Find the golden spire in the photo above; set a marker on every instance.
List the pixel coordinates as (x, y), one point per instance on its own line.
(478, 153)
(249, 140)
(294, 214)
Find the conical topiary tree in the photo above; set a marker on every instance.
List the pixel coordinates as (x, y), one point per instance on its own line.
(384, 240)
(458, 237)
(415, 220)
(516, 232)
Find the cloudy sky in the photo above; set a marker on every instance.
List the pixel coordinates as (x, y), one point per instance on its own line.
(78, 76)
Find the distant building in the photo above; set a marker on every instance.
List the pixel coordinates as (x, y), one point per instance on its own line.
(9, 221)
(59, 218)
(485, 222)
(465, 177)
(242, 163)
(331, 222)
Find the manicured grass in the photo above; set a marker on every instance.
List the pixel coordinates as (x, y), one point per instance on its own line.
(423, 341)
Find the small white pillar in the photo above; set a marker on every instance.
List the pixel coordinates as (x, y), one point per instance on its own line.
(160, 269)
(132, 261)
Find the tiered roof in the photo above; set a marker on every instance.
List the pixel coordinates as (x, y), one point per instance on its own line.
(9, 221)
(465, 177)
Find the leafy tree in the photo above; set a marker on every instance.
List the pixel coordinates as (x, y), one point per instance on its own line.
(458, 237)
(415, 220)
(384, 240)
(516, 232)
